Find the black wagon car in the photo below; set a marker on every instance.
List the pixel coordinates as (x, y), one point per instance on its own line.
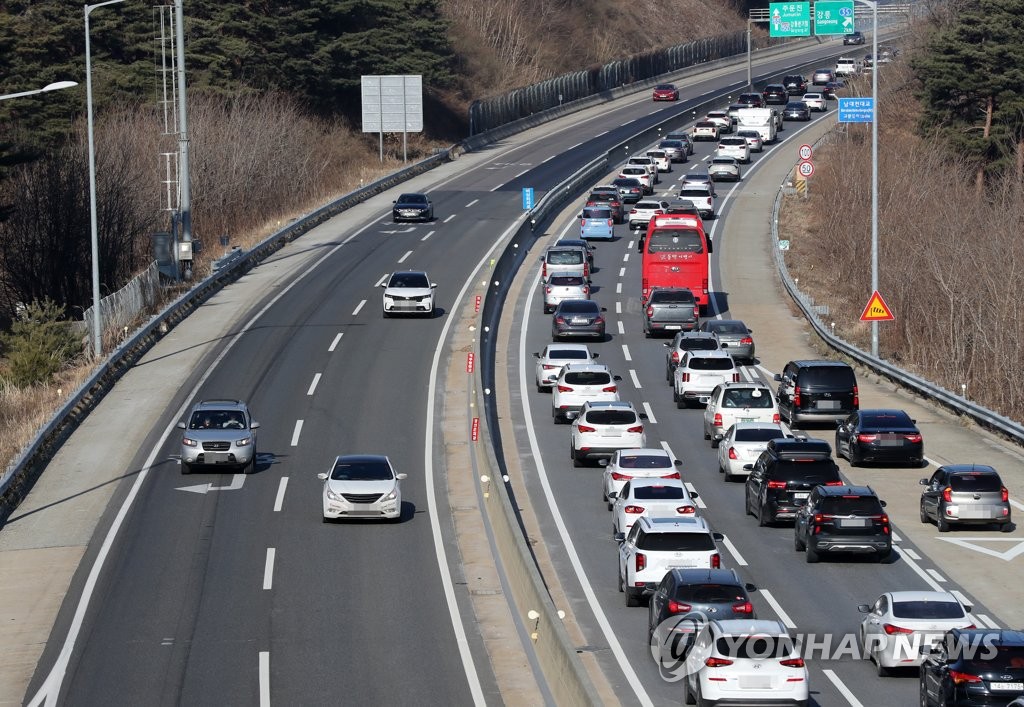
(412, 207)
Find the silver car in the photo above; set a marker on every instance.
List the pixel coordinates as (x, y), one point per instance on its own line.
(965, 493)
(675, 150)
(562, 286)
(724, 168)
(219, 433)
(735, 337)
(815, 101)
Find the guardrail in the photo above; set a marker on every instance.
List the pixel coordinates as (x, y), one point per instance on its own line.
(951, 401)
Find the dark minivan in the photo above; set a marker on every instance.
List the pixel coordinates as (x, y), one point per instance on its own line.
(784, 475)
(817, 391)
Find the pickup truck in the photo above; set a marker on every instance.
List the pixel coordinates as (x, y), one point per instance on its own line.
(670, 309)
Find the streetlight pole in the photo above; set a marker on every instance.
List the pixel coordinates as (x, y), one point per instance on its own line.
(45, 89)
(96, 323)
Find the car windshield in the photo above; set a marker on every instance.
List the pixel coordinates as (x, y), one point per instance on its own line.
(565, 257)
(671, 297)
(927, 610)
(815, 471)
(611, 417)
(634, 170)
(675, 240)
(409, 279)
(746, 398)
(578, 307)
(665, 87)
(597, 213)
(677, 542)
(755, 647)
(757, 434)
(568, 355)
(588, 378)
(710, 363)
(700, 193)
(627, 182)
(838, 377)
(710, 593)
(698, 343)
(670, 144)
(647, 206)
(975, 481)
(412, 199)
(361, 470)
(644, 461)
(729, 161)
(724, 326)
(217, 420)
(850, 506)
(659, 493)
(1005, 658)
(886, 420)
(566, 281)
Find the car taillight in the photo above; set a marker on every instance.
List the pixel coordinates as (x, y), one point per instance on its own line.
(1004, 494)
(675, 357)
(586, 428)
(884, 520)
(717, 421)
(548, 290)
(611, 222)
(636, 430)
(959, 678)
(549, 367)
(704, 282)
(650, 311)
(913, 439)
(686, 378)
(743, 608)
(696, 310)
(673, 475)
(544, 272)
(866, 438)
(775, 418)
(796, 396)
(586, 270)
(735, 377)
(776, 484)
(856, 398)
(686, 510)
(716, 561)
(633, 509)
(717, 662)
(834, 483)
(620, 477)
(583, 222)
(641, 561)
(947, 494)
(633, 211)
(610, 389)
(675, 607)
(892, 629)
(792, 662)
(586, 290)
(565, 389)
(732, 453)
(746, 340)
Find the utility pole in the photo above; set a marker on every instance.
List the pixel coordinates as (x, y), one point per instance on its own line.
(185, 205)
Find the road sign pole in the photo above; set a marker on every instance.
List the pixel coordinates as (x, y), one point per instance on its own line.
(874, 165)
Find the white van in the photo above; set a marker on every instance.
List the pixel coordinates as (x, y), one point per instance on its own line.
(760, 119)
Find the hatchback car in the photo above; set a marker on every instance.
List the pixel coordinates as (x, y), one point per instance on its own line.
(822, 76)
(724, 169)
(675, 150)
(783, 477)
(576, 384)
(968, 494)
(815, 101)
(631, 190)
(706, 130)
(716, 594)
(408, 292)
(742, 445)
(575, 318)
(722, 119)
(842, 519)
(683, 137)
(897, 624)
(651, 498)
(752, 100)
(754, 140)
(737, 402)
(596, 223)
(627, 464)
(642, 211)
(957, 673)
(796, 110)
(734, 336)
(736, 147)
(687, 341)
(879, 436)
(775, 94)
(645, 162)
(412, 207)
(219, 433)
(603, 427)
(666, 92)
(553, 357)
(641, 174)
(697, 179)
(361, 486)
(562, 286)
(661, 160)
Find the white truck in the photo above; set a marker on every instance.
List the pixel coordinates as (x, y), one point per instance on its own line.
(760, 119)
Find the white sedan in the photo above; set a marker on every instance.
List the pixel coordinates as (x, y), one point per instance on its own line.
(409, 292)
(628, 464)
(651, 498)
(362, 486)
(553, 357)
(815, 101)
(897, 624)
(743, 444)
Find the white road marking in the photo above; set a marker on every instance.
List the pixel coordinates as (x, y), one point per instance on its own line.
(383, 279)
(625, 352)
(264, 678)
(629, 246)
(522, 173)
(1017, 504)
(625, 258)
(699, 501)
(279, 500)
(912, 563)
(911, 554)
(618, 307)
(402, 259)
(598, 135)
(296, 433)
(471, 203)
(337, 340)
(312, 386)
(268, 568)
(650, 413)
(986, 620)
(622, 329)
(935, 575)
(622, 272)
(358, 307)
(573, 147)
(429, 234)
(618, 288)
(842, 688)
(450, 217)
(636, 381)
(496, 187)
(896, 538)
(733, 551)
(668, 449)
(777, 608)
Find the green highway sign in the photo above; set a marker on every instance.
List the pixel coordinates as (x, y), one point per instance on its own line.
(791, 19)
(833, 17)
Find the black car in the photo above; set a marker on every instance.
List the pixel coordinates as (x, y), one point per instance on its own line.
(796, 110)
(817, 391)
(842, 519)
(608, 196)
(630, 189)
(714, 593)
(795, 83)
(853, 38)
(775, 94)
(831, 87)
(879, 436)
(751, 100)
(784, 475)
(412, 207)
(973, 666)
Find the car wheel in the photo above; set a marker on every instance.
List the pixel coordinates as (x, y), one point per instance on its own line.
(923, 692)
(924, 514)
(609, 503)
(798, 544)
(387, 314)
(839, 447)
(852, 456)
(186, 468)
(881, 670)
(687, 695)
(941, 522)
(325, 519)
(811, 556)
(715, 443)
(746, 504)
(700, 702)
(622, 583)
(761, 520)
(1006, 527)
(540, 388)
(632, 600)
(576, 461)
(668, 374)
(884, 555)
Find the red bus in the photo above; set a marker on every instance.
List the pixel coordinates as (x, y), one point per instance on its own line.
(676, 254)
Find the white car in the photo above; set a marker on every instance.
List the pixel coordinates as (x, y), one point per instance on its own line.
(897, 624)
(408, 292)
(722, 168)
(642, 211)
(362, 486)
(706, 130)
(653, 546)
(720, 118)
(561, 286)
(576, 384)
(661, 160)
(703, 197)
(738, 402)
(651, 498)
(645, 162)
(628, 464)
(697, 374)
(754, 140)
(815, 101)
(847, 66)
(639, 173)
(743, 444)
(736, 147)
(603, 427)
(748, 662)
(553, 357)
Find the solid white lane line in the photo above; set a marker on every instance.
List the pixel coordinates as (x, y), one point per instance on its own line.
(733, 551)
(622, 329)
(842, 688)
(268, 568)
(358, 307)
(597, 135)
(618, 307)
(429, 234)
(622, 272)
(577, 144)
(548, 159)
(625, 352)
(912, 563)
(383, 279)
(450, 217)
(279, 501)
(650, 414)
(337, 340)
(935, 575)
(1017, 504)
(618, 288)
(668, 449)
(698, 500)
(521, 173)
(636, 381)
(496, 187)
(471, 203)
(264, 678)
(402, 259)
(910, 553)
(312, 386)
(777, 608)
(296, 433)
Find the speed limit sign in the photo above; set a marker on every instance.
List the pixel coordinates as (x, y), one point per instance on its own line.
(805, 152)
(806, 169)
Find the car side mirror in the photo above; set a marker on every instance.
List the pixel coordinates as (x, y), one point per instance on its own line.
(579, 216)
(923, 482)
(613, 495)
(253, 425)
(719, 437)
(322, 477)
(642, 415)
(401, 477)
(604, 309)
(883, 503)
(620, 537)
(536, 354)
(667, 344)
(181, 426)
(603, 462)
(748, 467)
(718, 537)
(677, 462)
(433, 285)
(394, 202)
(594, 355)
(383, 284)
(913, 421)
(616, 378)
(925, 649)
(778, 377)
(711, 246)
(750, 587)
(864, 608)
(840, 423)
(694, 494)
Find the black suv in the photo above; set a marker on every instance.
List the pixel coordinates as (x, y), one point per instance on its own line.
(775, 94)
(715, 593)
(795, 83)
(853, 38)
(842, 519)
(817, 391)
(973, 666)
(784, 475)
(753, 100)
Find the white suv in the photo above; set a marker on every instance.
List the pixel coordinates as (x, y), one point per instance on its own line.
(651, 498)
(655, 545)
(576, 384)
(737, 402)
(647, 163)
(736, 147)
(746, 662)
(642, 211)
(661, 160)
(628, 464)
(604, 427)
(697, 374)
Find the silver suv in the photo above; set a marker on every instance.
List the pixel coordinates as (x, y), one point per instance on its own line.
(219, 433)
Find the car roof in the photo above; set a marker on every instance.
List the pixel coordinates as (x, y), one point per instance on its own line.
(409, 272)
(674, 525)
(219, 404)
(968, 469)
(922, 595)
(846, 490)
(805, 363)
(710, 353)
(584, 367)
(644, 452)
(746, 384)
(568, 347)
(706, 576)
(1000, 636)
(658, 481)
(609, 404)
(792, 447)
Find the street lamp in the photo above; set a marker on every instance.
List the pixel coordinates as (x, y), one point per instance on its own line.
(96, 325)
(45, 89)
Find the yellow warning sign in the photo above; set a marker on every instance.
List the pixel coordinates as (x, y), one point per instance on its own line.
(877, 310)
